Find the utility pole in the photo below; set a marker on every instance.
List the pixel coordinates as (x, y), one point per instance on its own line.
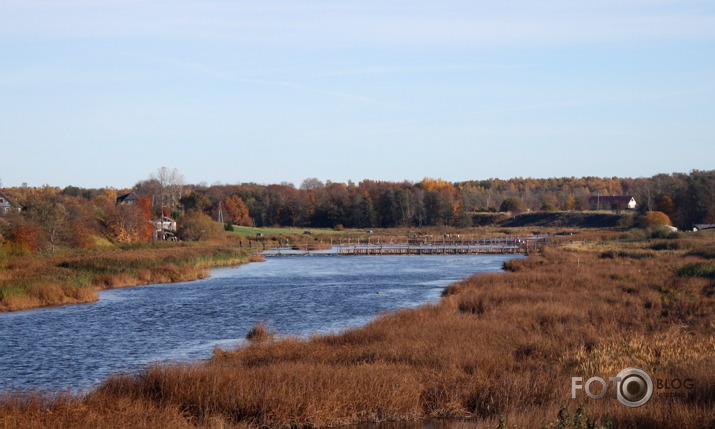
(220, 212)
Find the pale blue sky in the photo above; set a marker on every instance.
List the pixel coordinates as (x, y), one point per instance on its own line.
(102, 93)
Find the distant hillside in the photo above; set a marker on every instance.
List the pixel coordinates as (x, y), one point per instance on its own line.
(564, 219)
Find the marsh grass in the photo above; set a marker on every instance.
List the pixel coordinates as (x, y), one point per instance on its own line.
(499, 349)
(41, 280)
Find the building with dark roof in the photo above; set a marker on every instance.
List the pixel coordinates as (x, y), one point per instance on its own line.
(127, 199)
(6, 205)
(614, 202)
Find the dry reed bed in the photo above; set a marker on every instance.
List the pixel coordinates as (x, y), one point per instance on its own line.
(40, 280)
(497, 345)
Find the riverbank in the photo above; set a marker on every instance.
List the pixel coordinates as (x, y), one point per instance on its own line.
(496, 347)
(47, 280)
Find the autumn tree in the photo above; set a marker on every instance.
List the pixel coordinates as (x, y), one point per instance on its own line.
(440, 201)
(235, 211)
(570, 203)
(653, 219)
(24, 237)
(82, 222)
(131, 223)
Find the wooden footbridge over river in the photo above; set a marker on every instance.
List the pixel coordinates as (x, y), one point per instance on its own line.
(417, 248)
(430, 250)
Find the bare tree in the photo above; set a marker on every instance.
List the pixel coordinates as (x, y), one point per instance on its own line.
(52, 217)
(311, 184)
(171, 184)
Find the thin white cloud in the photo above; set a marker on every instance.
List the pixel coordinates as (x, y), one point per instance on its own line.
(208, 71)
(377, 70)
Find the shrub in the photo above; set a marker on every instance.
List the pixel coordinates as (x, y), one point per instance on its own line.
(512, 204)
(698, 270)
(197, 226)
(664, 232)
(260, 332)
(548, 207)
(653, 219)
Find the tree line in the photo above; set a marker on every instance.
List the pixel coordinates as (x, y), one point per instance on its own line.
(686, 198)
(79, 217)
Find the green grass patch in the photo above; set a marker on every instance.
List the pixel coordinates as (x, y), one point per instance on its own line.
(703, 270)
(612, 254)
(10, 291)
(81, 280)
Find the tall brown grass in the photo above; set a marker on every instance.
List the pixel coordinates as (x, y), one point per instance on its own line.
(496, 347)
(43, 280)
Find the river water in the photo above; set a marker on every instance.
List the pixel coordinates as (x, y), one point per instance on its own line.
(75, 347)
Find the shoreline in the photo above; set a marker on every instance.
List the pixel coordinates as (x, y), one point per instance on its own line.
(52, 281)
(430, 296)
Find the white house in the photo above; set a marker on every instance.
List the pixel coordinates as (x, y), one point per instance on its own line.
(6, 205)
(163, 227)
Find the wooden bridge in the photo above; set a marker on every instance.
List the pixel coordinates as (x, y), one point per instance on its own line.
(432, 250)
(404, 249)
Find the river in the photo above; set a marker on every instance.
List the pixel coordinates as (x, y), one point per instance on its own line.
(75, 347)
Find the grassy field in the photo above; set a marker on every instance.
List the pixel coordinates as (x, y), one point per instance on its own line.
(42, 280)
(500, 349)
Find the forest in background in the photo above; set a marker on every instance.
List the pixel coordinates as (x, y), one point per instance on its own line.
(83, 218)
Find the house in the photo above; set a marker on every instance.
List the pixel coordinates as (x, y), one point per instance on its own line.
(164, 228)
(165, 224)
(703, 226)
(127, 199)
(614, 202)
(6, 206)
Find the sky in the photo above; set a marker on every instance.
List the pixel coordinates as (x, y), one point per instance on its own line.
(102, 93)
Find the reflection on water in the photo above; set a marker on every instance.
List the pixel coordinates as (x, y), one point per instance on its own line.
(77, 346)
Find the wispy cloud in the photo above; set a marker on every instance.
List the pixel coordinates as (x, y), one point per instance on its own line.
(377, 70)
(211, 72)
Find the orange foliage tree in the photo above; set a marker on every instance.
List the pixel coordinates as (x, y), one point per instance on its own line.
(236, 211)
(131, 223)
(653, 219)
(24, 237)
